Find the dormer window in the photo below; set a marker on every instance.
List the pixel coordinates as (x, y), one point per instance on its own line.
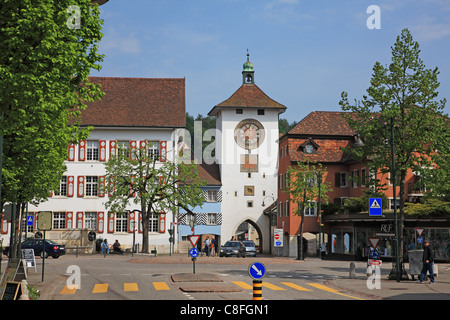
(309, 148)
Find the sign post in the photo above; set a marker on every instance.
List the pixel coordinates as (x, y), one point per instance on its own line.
(44, 224)
(278, 239)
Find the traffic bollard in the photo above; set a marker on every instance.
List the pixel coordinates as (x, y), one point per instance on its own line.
(257, 289)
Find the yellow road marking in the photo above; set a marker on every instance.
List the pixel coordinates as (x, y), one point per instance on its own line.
(161, 286)
(69, 290)
(328, 289)
(272, 286)
(100, 288)
(130, 287)
(242, 284)
(295, 286)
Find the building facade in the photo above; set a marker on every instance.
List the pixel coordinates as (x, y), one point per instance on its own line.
(135, 113)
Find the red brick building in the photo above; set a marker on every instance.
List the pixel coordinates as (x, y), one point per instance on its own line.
(321, 137)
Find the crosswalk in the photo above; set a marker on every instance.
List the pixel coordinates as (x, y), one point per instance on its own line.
(102, 288)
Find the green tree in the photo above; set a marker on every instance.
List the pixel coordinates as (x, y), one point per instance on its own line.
(44, 69)
(133, 177)
(303, 189)
(402, 100)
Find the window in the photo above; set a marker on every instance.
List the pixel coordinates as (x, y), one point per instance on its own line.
(340, 179)
(153, 150)
(212, 218)
(239, 111)
(363, 177)
(260, 112)
(280, 209)
(122, 222)
(92, 150)
(286, 209)
(123, 149)
(212, 196)
(62, 191)
(153, 222)
(92, 186)
(90, 220)
(59, 220)
(311, 211)
(25, 222)
(355, 178)
(249, 204)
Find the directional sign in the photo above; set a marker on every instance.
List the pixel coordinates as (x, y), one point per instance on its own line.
(374, 255)
(193, 253)
(257, 270)
(194, 239)
(419, 240)
(374, 262)
(375, 207)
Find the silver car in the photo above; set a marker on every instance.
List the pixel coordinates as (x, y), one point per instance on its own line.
(250, 248)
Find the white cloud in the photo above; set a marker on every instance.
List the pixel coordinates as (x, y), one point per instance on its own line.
(113, 42)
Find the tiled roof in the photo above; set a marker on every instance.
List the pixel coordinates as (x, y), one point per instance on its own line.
(137, 102)
(248, 96)
(323, 123)
(329, 150)
(210, 173)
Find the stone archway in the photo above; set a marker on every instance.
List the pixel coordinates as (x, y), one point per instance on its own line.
(249, 230)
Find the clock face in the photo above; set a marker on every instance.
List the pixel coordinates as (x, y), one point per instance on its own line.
(249, 134)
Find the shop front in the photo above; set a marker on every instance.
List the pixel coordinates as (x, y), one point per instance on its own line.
(353, 236)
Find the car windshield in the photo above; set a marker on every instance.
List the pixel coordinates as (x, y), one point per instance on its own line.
(232, 244)
(249, 243)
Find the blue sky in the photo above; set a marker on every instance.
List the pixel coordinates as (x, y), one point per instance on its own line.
(305, 53)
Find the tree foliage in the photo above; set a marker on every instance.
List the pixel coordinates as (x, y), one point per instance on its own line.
(44, 69)
(132, 177)
(403, 97)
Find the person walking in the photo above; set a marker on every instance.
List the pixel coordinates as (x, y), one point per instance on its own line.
(213, 247)
(428, 262)
(207, 244)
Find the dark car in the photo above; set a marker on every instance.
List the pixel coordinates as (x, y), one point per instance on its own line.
(250, 248)
(51, 248)
(233, 248)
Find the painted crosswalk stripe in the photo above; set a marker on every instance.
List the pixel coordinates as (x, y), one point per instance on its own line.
(127, 287)
(295, 286)
(328, 289)
(100, 288)
(242, 284)
(69, 290)
(161, 286)
(272, 286)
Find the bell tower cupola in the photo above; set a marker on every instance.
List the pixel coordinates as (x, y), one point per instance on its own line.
(248, 72)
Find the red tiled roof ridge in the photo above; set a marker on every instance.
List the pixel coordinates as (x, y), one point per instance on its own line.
(323, 123)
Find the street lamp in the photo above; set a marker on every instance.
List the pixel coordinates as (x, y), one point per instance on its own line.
(133, 226)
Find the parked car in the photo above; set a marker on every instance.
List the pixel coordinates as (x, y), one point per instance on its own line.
(250, 248)
(51, 248)
(233, 248)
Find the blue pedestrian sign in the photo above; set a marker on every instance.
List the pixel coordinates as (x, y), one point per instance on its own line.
(257, 270)
(193, 252)
(29, 220)
(375, 207)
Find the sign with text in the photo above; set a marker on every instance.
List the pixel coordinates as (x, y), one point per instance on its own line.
(278, 237)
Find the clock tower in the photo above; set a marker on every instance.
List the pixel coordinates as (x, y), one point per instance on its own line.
(247, 155)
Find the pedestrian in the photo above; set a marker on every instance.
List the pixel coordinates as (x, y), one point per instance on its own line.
(117, 247)
(323, 250)
(105, 247)
(428, 261)
(207, 244)
(213, 247)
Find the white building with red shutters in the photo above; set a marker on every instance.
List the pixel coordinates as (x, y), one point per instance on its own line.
(142, 112)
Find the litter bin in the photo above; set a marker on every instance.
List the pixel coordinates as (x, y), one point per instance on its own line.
(415, 262)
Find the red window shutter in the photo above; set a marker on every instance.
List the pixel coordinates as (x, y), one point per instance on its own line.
(102, 151)
(79, 220)
(143, 149)
(69, 220)
(4, 228)
(131, 218)
(80, 187)
(71, 155)
(162, 223)
(100, 221)
(162, 151)
(111, 222)
(82, 151)
(140, 222)
(70, 185)
(101, 185)
(112, 148)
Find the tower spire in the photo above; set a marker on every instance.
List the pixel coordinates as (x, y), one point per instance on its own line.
(248, 72)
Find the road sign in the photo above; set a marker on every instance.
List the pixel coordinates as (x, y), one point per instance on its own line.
(193, 253)
(374, 262)
(374, 255)
(257, 270)
(44, 220)
(374, 242)
(278, 237)
(375, 207)
(419, 231)
(30, 220)
(194, 239)
(419, 240)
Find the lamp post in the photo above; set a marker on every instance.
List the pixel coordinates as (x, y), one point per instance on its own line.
(319, 178)
(133, 226)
